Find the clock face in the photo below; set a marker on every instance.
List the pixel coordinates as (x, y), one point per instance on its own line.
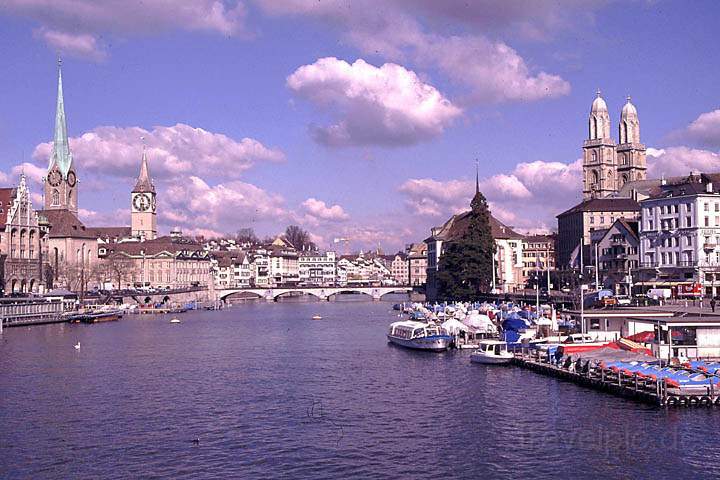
(55, 178)
(141, 202)
(154, 203)
(71, 179)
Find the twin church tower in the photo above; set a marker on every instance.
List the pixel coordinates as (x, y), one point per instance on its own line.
(608, 166)
(61, 181)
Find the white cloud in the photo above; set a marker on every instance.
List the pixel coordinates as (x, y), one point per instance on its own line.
(678, 161)
(317, 211)
(113, 218)
(528, 198)
(74, 26)
(388, 105)
(176, 150)
(72, 44)
(225, 207)
(491, 70)
(32, 172)
(705, 130)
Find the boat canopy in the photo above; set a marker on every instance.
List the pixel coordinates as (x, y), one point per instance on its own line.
(477, 320)
(454, 326)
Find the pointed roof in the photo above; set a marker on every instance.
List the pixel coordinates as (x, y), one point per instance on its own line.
(144, 183)
(60, 155)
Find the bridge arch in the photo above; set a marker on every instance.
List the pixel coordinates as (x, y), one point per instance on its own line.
(406, 291)
(351, 290)
(224, 296)
(279, 293)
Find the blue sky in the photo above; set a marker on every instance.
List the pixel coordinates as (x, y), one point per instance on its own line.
(416, 91)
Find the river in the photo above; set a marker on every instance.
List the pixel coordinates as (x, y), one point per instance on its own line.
(271, 393)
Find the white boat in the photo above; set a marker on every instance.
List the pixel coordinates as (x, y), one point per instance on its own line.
(419, 335)
(175, 320)
(316, 317)
(493, 352)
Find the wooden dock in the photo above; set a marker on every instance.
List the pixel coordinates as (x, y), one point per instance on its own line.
(632, 387)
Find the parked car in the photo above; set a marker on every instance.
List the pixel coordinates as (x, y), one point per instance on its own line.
(623, 300)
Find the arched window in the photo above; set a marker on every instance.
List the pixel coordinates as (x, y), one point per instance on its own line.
(624, 179)
(594, 156)
(69, 198)
(595, 177)
(22, 243)
(55, 198)
(13, 243)
(31, 244)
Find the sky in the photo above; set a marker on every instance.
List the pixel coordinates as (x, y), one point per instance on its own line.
(360, 120)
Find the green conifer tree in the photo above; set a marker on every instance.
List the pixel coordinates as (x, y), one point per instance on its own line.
(466, 264)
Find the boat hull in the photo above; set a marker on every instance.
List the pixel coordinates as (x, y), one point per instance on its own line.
(435, 343)
(490, 359)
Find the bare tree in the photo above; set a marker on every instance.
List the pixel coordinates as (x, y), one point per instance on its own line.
(246, 235)
(299, 238)
(120, 268)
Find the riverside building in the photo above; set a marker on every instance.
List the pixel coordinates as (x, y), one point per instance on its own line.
(680, 234)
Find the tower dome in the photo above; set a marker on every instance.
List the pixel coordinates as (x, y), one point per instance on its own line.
(628, 109)
(629, 123)
(598, 104)
(599, 120)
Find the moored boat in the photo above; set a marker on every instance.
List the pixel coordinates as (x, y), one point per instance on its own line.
(492, 352)
(419, 336)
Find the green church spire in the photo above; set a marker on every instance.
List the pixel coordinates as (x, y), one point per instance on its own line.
(60, 155)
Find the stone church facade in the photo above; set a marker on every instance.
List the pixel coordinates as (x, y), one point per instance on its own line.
(608, 166)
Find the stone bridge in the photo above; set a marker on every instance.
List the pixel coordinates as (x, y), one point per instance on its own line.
(323, 293)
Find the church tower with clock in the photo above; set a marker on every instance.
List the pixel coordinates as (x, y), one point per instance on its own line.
(143, 206)
(61, 179)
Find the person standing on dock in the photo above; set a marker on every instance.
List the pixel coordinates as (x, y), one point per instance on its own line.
(712, 304)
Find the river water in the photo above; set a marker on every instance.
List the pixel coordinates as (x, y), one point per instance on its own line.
(271, 393)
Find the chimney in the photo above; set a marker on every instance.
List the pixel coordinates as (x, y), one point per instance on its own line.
(663, 181)
(709, 187)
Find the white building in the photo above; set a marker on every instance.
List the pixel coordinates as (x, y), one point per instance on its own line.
(284, 266)
(232, 269)
(316, 268)
(260, 267)
(680, 234)
(361, 270)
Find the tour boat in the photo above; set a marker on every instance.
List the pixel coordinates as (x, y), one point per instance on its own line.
(493, 352)
(316, 317)
(419, 335)
(175, 320)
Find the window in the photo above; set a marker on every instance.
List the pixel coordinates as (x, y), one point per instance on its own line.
(706, 207)
(55, 198)
(688, 221)
(707, 221)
